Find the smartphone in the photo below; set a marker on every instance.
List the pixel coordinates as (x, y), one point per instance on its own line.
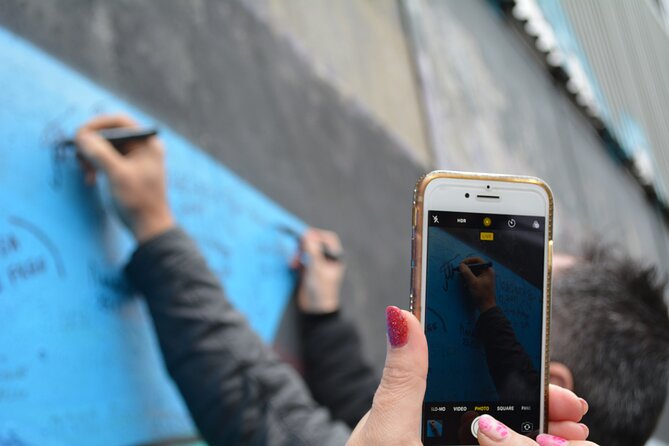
(480, 285)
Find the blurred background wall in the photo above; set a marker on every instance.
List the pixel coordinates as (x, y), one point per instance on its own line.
(334, 109)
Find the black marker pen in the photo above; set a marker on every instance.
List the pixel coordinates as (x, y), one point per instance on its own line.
(121, 135)
(477, 268)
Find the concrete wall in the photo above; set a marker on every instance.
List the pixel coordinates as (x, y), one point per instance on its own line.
(360, 47)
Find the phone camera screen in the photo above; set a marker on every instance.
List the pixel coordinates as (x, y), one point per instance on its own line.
(483, 322)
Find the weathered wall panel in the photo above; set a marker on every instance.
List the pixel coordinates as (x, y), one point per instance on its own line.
(361, 48)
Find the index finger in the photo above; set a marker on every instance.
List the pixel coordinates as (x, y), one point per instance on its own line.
(109, 121)
(550, 440)
(474, 259)
(564, 405)
(97, 151)
(331, 239)
(492, 433)
(312, 245)
(467, 272)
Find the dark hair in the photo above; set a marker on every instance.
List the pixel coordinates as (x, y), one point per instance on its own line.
(611, 328)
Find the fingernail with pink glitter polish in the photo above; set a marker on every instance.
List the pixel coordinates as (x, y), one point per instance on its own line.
(493, 429)
(396, 323)
(551, 440)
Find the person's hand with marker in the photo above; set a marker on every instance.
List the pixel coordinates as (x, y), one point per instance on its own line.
(321, 273)
(136, 176)
(482, 286)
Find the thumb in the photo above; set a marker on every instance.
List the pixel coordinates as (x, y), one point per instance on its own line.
(396, 411)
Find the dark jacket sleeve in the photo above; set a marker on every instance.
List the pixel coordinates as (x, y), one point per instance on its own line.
(236, 389)
(509, 365)
(335, 370)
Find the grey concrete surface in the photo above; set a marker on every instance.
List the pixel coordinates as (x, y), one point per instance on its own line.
(360, 47)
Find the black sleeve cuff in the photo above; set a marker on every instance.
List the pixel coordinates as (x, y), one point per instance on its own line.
(310, 321)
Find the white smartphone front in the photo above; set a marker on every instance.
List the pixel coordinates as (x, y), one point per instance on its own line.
(481, 288)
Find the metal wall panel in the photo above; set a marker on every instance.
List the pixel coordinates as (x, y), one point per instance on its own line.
(627, 46)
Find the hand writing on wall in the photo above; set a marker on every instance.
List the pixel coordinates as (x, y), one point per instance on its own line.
(481, 287)
(321, 278)
(136, 177)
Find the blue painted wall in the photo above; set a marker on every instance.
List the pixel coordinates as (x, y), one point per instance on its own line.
(78, 357)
